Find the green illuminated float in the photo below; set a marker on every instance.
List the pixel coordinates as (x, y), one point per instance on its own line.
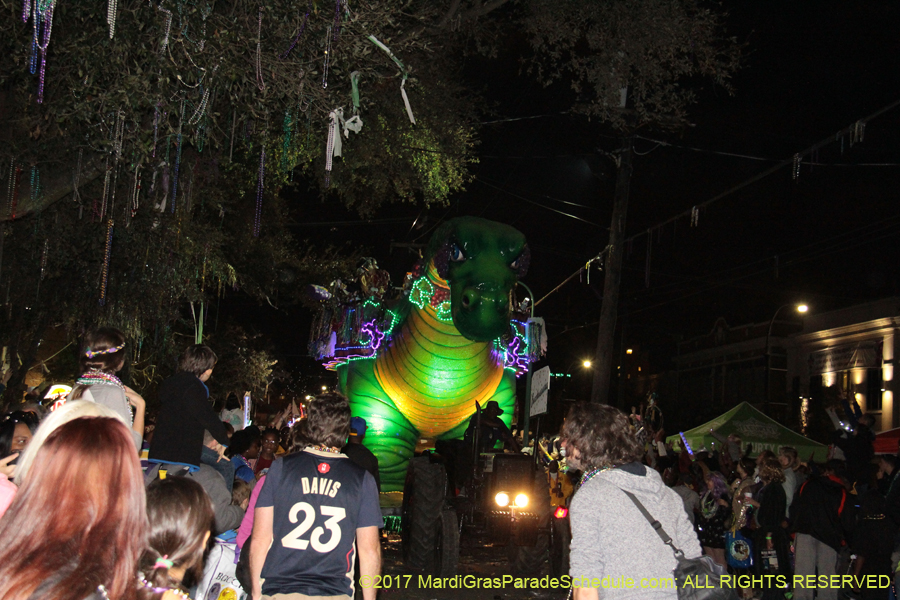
(416, 367)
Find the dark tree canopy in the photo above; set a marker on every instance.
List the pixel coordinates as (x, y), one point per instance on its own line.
(151, 172)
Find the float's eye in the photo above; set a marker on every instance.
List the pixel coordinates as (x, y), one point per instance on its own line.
(521, 263)
(456, 254)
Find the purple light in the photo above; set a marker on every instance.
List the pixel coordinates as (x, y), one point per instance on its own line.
(375, 334)
(515, 357)
(368, 349)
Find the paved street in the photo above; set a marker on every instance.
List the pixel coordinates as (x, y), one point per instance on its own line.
(475, 565)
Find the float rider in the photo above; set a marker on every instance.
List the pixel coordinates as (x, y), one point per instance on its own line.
(492, 429)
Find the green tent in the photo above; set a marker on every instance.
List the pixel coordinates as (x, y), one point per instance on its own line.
(755, 428)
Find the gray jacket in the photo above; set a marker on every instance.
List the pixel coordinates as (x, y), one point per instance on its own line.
(112, 397)
(228, 516)
(612, 539)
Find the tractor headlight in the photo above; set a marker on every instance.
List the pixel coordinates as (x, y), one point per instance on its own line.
(502, 499)
(521, 501)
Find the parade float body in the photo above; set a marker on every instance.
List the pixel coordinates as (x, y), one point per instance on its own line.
(415, 368)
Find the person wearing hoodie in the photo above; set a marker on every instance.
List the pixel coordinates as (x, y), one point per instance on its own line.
(610, 536)
(821, 517)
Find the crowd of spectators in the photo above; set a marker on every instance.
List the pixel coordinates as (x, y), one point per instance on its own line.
(82, 517)
(838, 517)
(755, 514)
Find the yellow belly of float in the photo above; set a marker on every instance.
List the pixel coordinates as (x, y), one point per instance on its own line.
(434, 376)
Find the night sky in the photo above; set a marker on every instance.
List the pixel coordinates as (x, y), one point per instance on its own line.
(812, 68)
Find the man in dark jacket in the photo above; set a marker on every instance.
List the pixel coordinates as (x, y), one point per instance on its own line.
(358, 453)
(859, 448)
(185, 412)
(821, 516)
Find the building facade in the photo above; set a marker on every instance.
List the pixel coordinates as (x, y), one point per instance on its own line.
(850, 350)
(794, 366)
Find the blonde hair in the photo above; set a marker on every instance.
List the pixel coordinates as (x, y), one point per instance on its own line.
(62, 415)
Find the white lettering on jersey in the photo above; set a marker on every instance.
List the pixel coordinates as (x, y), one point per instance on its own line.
(324, 487)
(335, 515)
(292, 539)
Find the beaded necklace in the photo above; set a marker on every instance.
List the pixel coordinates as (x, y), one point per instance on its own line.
(323, 448)
(591, 474)
(94, 377)
(708, 505)
(161, 590)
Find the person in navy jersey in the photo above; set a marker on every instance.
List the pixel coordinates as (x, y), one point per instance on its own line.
(316, 509)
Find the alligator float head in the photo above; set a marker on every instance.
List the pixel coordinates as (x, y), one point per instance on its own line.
(481, 260)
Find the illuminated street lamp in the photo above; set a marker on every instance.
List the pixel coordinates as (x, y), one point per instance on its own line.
(800, 308)
(586, 364)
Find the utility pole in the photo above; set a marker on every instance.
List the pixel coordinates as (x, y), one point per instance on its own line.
(612, 276)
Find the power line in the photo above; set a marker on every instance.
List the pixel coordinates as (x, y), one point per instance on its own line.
(511, 119)
(569, 202)
(854, 132)
(738, 278)
(785, 258)
(513, 194)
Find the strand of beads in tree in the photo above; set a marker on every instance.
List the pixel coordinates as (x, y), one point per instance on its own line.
(300, 34)
(47, 29)
(327, 63)
(259, 74)
(41, 14)
(104, 273)
(112, 10)
(177, 158)
(337, 20)
(260, 185)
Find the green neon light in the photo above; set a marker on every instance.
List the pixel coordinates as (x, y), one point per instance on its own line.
(444, 312)
(421, 292)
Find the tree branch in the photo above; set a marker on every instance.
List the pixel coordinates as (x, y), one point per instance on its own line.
(448, 16)
(57, 188)
(482, 10)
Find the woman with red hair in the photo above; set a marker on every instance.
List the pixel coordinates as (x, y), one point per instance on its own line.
(78, 524)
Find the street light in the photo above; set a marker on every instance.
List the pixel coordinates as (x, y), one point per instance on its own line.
(800, 308)
(586, 364)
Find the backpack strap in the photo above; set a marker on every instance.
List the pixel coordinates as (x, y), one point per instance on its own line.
(656, 525)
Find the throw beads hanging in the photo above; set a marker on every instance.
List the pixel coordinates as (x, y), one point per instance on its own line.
(112, 9)
(104, 273)
(41, 13)
(260, 186)
(260, 83)
(327, 62)
(302, 29)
